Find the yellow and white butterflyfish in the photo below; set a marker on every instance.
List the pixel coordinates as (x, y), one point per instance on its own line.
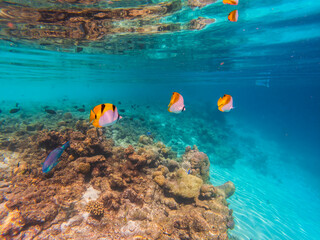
(233, 16)
(225, 103)
(176, 104)
(104, 115)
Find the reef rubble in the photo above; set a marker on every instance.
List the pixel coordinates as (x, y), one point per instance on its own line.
(100, 190)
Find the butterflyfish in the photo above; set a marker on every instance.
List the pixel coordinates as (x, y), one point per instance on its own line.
(233, 16)
(53, 158)
(225, 103)
(176, 104)
(104, 115)
(231, 2)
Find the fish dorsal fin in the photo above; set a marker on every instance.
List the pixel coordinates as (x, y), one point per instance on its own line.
(102, 108)
(220, 102)
(174, 99)
(106, 107)
(227, 99)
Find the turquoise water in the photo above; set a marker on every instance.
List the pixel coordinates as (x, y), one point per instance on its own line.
(269, 61)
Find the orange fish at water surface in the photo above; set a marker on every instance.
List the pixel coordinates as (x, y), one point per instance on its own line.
(176, 104)
(231, 2)
(104, 115)
(233, 16)
(225, 103)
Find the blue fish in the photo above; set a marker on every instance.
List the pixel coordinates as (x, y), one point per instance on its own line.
(149, 133)
(53, 158)
(188, 171)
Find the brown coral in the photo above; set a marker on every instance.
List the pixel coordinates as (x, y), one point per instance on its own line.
(185, 185)
(95, 208)
(198, 161)
(84, 168)
(11, 224)
(140, 192)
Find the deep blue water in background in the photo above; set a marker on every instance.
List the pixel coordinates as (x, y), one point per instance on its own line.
(274, 41)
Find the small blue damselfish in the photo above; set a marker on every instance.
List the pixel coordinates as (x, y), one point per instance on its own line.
(53, 158)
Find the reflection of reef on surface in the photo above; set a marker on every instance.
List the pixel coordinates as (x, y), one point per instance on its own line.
(100, 189)
(77, 28)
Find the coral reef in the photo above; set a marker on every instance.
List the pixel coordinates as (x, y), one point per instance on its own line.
(95, 208)
(198, 162)
(101, 189)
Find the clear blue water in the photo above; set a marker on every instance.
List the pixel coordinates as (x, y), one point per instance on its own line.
(275, 129)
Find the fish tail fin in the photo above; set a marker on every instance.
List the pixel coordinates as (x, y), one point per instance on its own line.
(92, 116)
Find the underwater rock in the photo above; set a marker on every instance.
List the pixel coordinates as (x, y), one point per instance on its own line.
(208, 191)
(49, 140)
(200, 3)
(172, 165)
(132, 196)
(111, 200)
(39, 213)
(170, 203)
(77, 136)
(146, 140)
(62, 123)
(84, 168)
(131, 229)
(116, 182)
(199, 162)
(226, 190)
(161, 180)
(67, 115)
(137, 160)
(39, 126)
(11, 224)
(94, 159)
(23, 167)
(91, 194)
(82, 126)
(184, 185)
(31, 127)
(200, 23)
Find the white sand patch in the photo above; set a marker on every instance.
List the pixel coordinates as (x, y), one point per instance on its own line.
(90, 195)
